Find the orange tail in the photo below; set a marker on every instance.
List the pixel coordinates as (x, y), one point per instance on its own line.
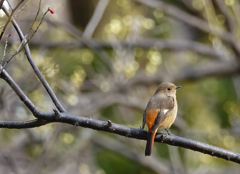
(150, 141)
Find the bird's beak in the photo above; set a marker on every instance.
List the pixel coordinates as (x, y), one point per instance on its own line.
(178, 87)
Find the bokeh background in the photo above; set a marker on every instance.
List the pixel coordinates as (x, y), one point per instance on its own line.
(104, 59)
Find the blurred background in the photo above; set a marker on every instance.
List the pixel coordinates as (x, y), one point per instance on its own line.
(104, 59)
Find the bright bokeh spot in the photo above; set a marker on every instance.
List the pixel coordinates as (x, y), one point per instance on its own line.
(220, 19)
(229, 141)
(154, 57)
(197, 4)
(66, 138)
(131, 68)
(229, 2)
(205, 158)
(21, 113)
(127, 20)
(148, 23)
(118, 65)
(158, 13)
(84, 169)
(151, 69)
(72, 99)
(105, 86)
(115, 26)
(87, 57)
(78, 76)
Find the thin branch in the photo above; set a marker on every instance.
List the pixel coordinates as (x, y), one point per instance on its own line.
(34, 66)
(24, 41)
(39, 7)
(5, 48)
(19, 11)
(9, 18)
(18, 91)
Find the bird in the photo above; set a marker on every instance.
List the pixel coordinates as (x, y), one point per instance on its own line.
(160, 113)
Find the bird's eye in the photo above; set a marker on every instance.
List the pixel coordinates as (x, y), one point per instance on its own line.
(169, 89)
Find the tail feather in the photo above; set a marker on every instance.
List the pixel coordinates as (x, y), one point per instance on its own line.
(150, 141)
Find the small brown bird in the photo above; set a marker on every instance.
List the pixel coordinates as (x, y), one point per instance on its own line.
(161, 112)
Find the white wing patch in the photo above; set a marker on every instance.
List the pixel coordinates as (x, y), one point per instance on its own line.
(165, 111)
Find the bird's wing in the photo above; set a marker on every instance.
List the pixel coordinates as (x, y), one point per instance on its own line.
(164, 106)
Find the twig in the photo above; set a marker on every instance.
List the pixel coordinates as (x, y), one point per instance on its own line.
(39, 7)
(19, 11)
(9, 18)
(19, 92)
(35, 68)
(24, 42)
(5, 47)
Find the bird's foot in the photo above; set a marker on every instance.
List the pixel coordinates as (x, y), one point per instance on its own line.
(168, 132)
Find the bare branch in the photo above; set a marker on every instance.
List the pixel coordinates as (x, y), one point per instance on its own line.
(18, 91)
(35, 68)
(24, 41)
(132, 133)
(9, 18)
(22, 125)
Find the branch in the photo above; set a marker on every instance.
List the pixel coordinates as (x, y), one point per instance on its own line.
(34, 66)
(131, 133)
(9, 16)
(108, 126)
(22, 125)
